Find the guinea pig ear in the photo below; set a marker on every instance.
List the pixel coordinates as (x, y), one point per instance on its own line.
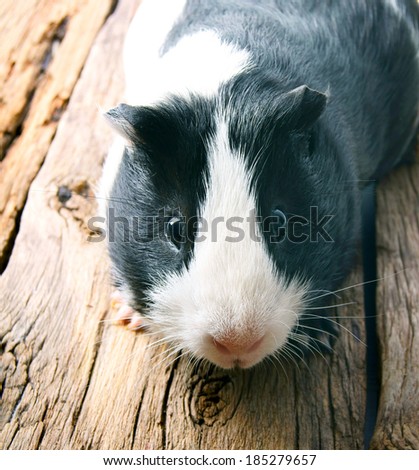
(303, 106)
(126, 120)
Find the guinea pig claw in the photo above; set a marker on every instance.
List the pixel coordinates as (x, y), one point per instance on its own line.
(124, 314)
(136, 323)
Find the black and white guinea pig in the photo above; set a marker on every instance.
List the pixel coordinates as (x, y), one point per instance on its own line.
(232, 194)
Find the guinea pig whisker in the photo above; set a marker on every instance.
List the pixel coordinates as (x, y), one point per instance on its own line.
(167, 352)
(360, 284)
(318, 341)
(339, 325)
(308, 345)
(331, 306)
(172, 347)
(183, 354)
(199, 363)
(298, 355)
(274, 363)
(325, 291)
(276, 358)
(162, 340)
(162, 362)
(177, 357)
(192, 361)
(202, 362)
(302, 326)
(316, 350)
(341, 317)
(302, 357)
(154, 347)
(313, 349)
(175, 352)
(300, 339)
(288, 352)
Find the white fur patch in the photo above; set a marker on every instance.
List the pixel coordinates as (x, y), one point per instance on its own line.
(110, 170)
(147, 33)
(196, 64)
(232, 290)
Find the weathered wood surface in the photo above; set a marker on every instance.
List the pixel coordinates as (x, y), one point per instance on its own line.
(44, 45)
(398, 309)
(70, 379)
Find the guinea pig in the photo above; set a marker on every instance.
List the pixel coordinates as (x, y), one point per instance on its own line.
(247, 132)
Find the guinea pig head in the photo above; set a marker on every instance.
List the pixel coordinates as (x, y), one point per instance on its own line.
(207, 187)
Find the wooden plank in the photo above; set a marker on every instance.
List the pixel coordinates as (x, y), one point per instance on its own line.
(398, 309)
(44, 46)
(27, 47)
(52, 304)
(72, 380)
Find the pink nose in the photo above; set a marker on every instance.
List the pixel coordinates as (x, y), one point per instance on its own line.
(233, 346)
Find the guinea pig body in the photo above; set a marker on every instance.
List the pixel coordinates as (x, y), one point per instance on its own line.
(233, 193)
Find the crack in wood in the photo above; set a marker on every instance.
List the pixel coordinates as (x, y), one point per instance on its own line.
(52, 39)
(165, 402)
(57, 34)
(136, 419)
(42, 422)
(96, 346)
(297, 422)
(6, 253)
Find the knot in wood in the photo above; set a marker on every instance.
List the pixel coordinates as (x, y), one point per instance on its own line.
(212, 400)
(64, 194)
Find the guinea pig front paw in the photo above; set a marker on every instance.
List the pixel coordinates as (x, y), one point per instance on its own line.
(125, 315)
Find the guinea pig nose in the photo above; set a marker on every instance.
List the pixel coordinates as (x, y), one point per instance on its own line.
(233, 346)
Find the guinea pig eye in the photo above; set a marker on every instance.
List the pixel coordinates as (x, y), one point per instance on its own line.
(276, 225)
(175, 231)
(280, 219)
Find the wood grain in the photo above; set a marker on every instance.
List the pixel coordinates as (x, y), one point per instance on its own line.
(398, 309)
(44, 47)
(71, 379)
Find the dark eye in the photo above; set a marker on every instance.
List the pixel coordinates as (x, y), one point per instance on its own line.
(279, 218)
(276, 225)
(175, 231)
